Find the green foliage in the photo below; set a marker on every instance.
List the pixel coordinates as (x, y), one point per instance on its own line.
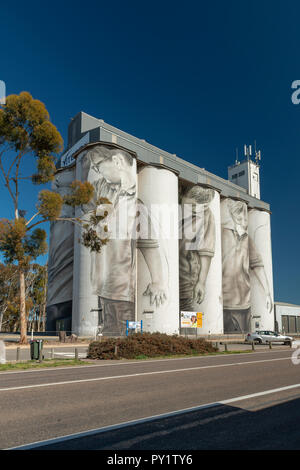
(147, 345)
(49, 204)
(35, 285)
(12, 233)
(35, 243)
(91, 240)
(81, 193)
(45, 170)
(26, 131)
(38, 291)
(101, 212)
(9, 295)
(41, 365)
(95, 234)
(26, 128)
(17, 245)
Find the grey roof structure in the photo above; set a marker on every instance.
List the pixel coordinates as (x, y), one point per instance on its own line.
(89, 129)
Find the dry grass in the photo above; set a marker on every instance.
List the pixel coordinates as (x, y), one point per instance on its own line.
(40, 365)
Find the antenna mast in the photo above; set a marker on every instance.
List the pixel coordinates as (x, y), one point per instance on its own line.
(237, 156)
(257, 154)
(248, 152)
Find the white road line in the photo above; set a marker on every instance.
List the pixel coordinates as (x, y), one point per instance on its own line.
(152, 418)
(82, 355)
(170, 371)
(121, 363)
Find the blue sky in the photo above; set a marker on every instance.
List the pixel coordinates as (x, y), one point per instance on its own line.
(195, 78)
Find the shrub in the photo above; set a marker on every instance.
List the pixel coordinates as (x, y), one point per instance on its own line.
(147, 345)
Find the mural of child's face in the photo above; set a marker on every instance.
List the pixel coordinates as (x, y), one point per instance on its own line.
(110, 171)
(112, 168)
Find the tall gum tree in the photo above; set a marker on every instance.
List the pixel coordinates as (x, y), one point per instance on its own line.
(27, 133)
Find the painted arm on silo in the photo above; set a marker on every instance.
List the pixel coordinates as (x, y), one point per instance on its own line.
(155, 289)
(257, 265)
(205, 254)
(199, 289)
(147, 243)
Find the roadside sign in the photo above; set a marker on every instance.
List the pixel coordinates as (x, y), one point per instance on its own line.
(191, 319)
(134, 325)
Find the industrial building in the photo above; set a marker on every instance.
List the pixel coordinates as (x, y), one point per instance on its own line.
(207, 248)
(287, 318)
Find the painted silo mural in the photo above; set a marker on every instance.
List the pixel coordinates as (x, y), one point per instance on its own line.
(85, 302)
(200, 256)
(235, 266)
(242, 261)
(157, 244)
(106, 280)
(61, 258)
(261, 278)
(174, 249)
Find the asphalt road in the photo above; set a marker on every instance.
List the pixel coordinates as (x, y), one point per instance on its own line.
(247, 401)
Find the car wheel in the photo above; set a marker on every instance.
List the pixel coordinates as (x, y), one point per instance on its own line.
(258, 341)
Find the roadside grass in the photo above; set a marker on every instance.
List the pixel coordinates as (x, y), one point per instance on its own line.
(39, 365)
(73, 362)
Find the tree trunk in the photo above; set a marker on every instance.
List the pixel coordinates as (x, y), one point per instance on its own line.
(44, 318)
(45, 298)
(38, 320)
(23, 320)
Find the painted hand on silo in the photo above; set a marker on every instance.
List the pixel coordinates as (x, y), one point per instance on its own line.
(157, 293)
(199, 292)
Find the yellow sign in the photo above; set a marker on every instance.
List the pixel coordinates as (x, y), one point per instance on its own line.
(199, 319)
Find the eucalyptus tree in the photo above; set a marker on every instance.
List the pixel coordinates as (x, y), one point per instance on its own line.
(27, 135)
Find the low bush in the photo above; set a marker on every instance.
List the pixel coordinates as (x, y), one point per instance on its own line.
(147, 345)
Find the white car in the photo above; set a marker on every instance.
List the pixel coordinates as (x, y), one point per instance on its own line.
(265, 337)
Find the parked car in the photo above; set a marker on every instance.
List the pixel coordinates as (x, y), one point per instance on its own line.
(265, 337)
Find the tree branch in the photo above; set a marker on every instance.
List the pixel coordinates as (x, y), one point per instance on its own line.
(20, 155)
(33, 217)
(7, 181)
(12, 165)
(37, 223)
(68, 219)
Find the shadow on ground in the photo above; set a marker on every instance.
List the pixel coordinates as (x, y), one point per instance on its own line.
(276, 426)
